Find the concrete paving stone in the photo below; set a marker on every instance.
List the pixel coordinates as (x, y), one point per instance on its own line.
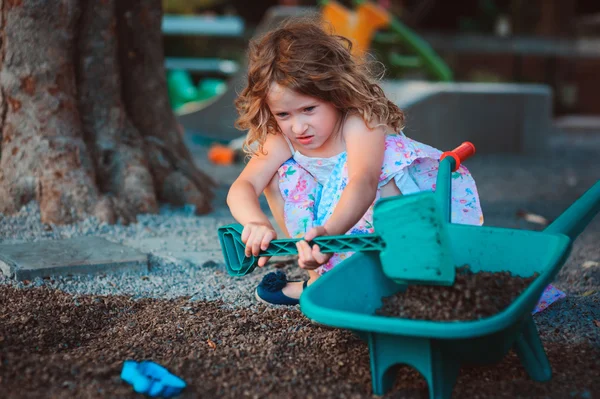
(174, 248)
(82, 255)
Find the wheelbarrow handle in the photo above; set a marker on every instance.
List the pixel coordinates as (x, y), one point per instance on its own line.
(460, 154)
(574, 220)
(449, 162)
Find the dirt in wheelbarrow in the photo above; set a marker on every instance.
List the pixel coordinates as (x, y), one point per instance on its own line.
(473, 296)
(56, 345)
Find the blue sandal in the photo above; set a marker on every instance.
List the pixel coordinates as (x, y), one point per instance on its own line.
(270, 289)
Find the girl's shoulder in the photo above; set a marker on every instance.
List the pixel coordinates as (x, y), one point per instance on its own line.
(412, 149)
(355, 124)
(275, 147)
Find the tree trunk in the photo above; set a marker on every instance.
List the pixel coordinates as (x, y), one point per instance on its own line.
(144, 89)
(85, 123)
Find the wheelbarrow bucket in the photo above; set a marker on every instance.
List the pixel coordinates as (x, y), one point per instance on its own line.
(438, 349)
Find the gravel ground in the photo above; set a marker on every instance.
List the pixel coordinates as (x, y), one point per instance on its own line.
(75, 349)
(543, 184)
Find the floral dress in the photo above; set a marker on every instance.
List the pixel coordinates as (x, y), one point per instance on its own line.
(311, 188)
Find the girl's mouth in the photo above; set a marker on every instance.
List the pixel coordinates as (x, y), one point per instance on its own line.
(305, 140)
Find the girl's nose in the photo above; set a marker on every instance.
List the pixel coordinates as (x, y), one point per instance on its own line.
(299, 127)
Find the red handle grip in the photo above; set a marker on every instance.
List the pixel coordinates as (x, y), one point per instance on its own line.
(460, 153)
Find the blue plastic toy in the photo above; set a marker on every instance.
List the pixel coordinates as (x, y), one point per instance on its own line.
(151, 379)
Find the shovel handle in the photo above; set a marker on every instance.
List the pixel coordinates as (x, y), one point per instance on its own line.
(237, 263)
(460, 153)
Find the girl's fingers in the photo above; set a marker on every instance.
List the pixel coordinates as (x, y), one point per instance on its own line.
(245, 234)
(248, 250)
(257, 239)
(312, 233)
(300, 257)
(262, 239)
(315, 232)
(267, 238)
(319, 257)
(304, 254)
(252, 244)
(263, 260)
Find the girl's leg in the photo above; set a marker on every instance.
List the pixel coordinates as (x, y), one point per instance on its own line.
(276, 202)
(294, 290)
(390, 189)
(313, 276)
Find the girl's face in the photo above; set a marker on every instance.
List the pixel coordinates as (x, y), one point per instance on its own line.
(307, 121)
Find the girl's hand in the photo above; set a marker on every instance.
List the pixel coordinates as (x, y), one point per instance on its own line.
(257, 237)
(312, 258)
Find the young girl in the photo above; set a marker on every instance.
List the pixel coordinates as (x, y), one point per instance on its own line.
(329, 144)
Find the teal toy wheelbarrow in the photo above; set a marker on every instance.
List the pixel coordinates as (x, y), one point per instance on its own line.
(348, 296)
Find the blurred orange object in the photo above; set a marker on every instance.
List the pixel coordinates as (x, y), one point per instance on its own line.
(221, 155)
(358, 26)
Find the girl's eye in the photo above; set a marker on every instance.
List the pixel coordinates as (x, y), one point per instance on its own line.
(308, 109)
(281, 114)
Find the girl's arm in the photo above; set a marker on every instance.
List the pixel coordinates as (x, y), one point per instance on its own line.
(365, 148)
(244, 192)
(242, 198)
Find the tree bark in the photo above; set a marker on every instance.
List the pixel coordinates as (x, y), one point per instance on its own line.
(43, 154)
(122, 171)
(85, 123)
(177, 180)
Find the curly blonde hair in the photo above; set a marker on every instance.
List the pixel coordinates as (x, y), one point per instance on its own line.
(302, 56)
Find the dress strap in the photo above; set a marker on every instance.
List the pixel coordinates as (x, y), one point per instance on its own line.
(292, 150)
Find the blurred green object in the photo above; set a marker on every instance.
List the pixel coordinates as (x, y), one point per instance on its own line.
(181, 88)
(210, 87)
(405, 61)
(419, 54)
(429, 60)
